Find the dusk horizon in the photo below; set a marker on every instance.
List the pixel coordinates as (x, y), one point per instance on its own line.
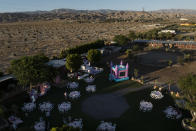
(36, 5)
(142, 9)
(98, 65)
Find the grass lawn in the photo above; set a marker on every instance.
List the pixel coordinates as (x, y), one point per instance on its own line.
(133, 119)
(155, 120)
(106, 86)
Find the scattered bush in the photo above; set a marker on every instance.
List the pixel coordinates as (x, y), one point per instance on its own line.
(187, 57)
(173, 50)
(31, 70)
(170, 62)
(65, 128)
(94, 56)
(136, 47)
(82, 48)
(121, 39)
(151, 35)
(180, 60)
(166, 49)
(63, 54)
(129, 53)
(193, 124)
(54, 57)
(132, 35)
(73, 62)
(136, 74)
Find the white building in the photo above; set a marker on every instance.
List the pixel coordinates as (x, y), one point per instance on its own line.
(183, 19)
(168, 31)
(56, 63)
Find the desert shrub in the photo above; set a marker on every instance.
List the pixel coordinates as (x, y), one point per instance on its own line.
(187, 85)
(173, 50)
(65, 128)
(63, 54)
(132, 35)
(180, 60)
(129, 53)
(136, 73)
(193, 124)
(136, 47)
(54, 57)
(187, 57)
(170, 62)
(166, 49)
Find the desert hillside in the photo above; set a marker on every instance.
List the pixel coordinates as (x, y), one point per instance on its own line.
(71, 15)
(30, 33)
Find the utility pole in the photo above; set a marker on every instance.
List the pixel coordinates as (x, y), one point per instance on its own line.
(143, 10)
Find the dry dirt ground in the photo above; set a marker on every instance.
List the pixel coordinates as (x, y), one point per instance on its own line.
(50, 37)
(165, 73)
(173, 73)
(154, 65)
(158, 58)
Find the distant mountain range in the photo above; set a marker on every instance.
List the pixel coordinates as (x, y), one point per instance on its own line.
(182, 11)
(96, 15)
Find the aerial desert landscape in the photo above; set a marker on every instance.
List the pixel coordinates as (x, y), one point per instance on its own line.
(115, 65)
(50, 32)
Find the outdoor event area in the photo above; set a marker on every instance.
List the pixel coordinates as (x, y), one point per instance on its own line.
(105, 92)
(97, 65)
(98, 103)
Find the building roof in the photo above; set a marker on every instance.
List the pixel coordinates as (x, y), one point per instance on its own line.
(56, 63)
(6, 77)
(165, 42)
(120, 67)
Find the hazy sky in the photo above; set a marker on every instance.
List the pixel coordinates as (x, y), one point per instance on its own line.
(31, 5)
